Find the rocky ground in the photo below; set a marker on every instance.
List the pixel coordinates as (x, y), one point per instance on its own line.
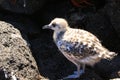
(23, 19)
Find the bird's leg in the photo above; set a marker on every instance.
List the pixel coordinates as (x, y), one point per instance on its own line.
(80, 71)
(76, 74)
(83, 68)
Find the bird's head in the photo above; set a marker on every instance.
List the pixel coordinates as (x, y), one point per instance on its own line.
(57, 24)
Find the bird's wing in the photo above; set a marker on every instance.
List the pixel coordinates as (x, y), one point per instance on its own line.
(79, 44)
(76, 48)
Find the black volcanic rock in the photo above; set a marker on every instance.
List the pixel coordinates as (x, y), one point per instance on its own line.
(16, 60)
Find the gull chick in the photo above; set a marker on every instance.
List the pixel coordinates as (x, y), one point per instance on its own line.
(78, 46)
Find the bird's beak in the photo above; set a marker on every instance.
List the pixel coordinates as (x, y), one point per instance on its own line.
(46, 27)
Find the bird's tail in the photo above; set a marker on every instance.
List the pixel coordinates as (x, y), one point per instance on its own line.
(109, 55)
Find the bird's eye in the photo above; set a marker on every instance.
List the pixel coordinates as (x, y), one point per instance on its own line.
(53, 24)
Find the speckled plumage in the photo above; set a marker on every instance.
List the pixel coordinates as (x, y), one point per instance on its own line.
(77, 45)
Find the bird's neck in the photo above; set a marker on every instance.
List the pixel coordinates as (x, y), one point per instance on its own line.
(58, 35)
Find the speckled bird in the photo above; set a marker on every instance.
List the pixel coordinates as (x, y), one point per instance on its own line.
(77, 45)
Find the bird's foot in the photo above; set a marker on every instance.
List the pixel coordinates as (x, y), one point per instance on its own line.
(80, 72)
(75, 75)
(71, 76)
